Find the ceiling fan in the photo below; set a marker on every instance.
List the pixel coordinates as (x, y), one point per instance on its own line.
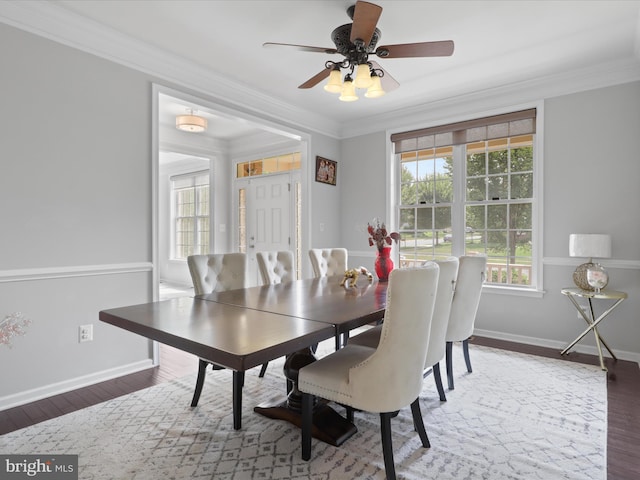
(356, 41)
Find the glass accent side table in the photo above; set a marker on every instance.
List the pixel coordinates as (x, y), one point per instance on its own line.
(590, 317)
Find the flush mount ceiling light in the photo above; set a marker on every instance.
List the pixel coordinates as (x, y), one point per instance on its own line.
(191, 123)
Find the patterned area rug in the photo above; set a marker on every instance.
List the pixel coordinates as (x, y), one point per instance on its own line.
(516, 417)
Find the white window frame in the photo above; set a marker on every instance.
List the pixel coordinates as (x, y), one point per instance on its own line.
(203, 248)
(536, 288)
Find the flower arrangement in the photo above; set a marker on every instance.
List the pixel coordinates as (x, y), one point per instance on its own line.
(12, 326)
(379, 236)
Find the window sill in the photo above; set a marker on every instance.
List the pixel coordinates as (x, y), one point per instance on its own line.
(513, 290)
(178, 261)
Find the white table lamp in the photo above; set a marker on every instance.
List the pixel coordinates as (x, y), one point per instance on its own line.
(590, 276)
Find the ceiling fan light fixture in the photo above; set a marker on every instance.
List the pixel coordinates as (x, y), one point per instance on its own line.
(334, 84)
(375, 90)
(191, 123)
(356, 42)
(363, 76)
(348, 90)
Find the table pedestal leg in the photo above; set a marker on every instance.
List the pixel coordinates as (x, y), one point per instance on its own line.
(327, 424)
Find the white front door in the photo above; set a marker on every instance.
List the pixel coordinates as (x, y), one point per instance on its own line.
(269, 219)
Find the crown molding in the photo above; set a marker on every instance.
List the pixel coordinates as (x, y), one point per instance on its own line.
(614, 73)
(59, 25)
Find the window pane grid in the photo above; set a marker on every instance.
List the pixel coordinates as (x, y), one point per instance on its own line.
(497, 205)
(191, 215)
(426, 191)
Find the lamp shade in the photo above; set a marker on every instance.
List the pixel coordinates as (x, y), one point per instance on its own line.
(191, 123)
(590, 245)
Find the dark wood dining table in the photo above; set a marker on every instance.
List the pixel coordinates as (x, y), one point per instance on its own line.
(240, 329)
(319, 299)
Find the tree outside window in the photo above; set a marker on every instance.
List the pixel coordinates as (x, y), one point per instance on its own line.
(496, 204)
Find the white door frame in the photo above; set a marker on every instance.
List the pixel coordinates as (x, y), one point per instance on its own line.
(156, 139)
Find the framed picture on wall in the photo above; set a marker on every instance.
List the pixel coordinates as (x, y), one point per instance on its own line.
(326, 170)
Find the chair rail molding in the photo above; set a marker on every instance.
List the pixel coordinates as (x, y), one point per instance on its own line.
(45, 273)
(609, 262)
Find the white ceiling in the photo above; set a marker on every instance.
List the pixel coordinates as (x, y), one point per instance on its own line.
(497, 43)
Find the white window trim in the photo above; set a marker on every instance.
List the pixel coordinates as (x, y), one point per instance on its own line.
(172, 208)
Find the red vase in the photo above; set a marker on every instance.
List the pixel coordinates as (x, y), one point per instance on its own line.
(383, 264)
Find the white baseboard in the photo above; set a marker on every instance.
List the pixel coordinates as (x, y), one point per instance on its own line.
(39, 393)
(543, 342)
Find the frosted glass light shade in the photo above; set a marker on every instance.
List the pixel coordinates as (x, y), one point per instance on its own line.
(363, 76)
(375, 90)
(589, 245)
(348, 90)
(191, 123)
(334, 84)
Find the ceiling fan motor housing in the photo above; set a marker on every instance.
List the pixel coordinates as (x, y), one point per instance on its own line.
(341, 37)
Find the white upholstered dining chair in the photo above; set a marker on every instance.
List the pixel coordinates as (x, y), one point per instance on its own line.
(441, 311)
(276, 267)
(466, 298)
(328, 261)
(385, 379)
(216, 273)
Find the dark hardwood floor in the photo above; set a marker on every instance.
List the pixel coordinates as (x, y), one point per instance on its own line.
(623, 393)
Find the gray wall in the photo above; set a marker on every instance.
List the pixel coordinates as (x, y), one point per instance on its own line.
(590, 181)
(365, 194)
(76, 208)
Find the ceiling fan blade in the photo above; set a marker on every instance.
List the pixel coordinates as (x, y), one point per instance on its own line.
(424, 49)
(302, 48)
(388, 82)
(365, 19)
(316, 79)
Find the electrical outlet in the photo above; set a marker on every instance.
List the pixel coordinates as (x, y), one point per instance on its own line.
(85, 333)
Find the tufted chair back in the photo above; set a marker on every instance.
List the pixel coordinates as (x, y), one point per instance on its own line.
(328, 261)
(218, 272)
(276, 267)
